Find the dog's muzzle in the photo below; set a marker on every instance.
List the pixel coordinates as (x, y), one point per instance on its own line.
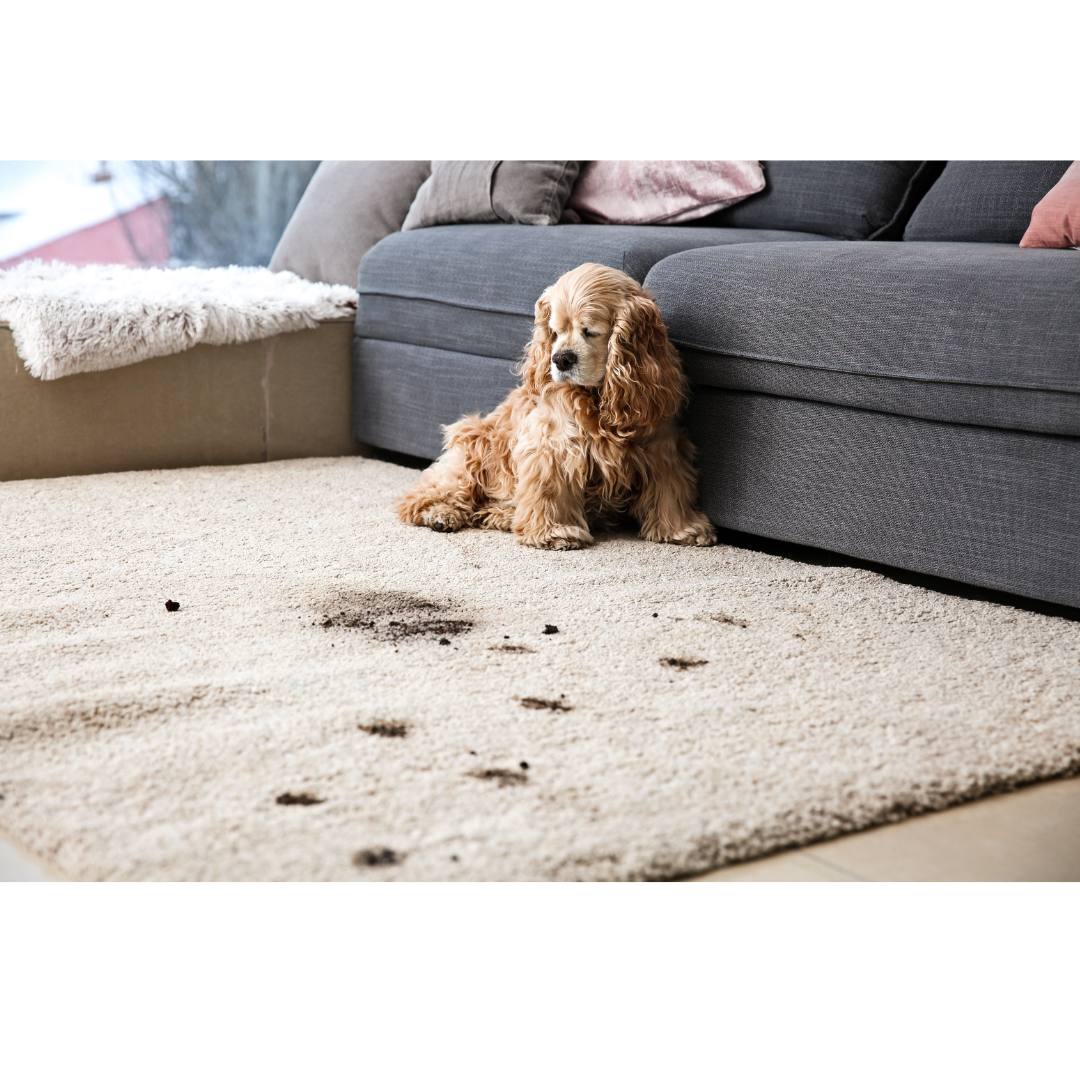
(565, 360)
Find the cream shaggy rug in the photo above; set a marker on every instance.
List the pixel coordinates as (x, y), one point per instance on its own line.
(340, 696)
(66, 319)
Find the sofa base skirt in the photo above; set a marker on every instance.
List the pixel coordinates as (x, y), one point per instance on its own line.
(988, 507)
(403, 394)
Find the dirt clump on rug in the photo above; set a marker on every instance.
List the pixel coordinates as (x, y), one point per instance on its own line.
(343, 697)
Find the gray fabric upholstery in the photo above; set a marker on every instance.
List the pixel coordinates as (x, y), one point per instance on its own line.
(403, 393)
(849, 200)
(983, 336)
(514, 192)
(988, 507)
(1045, 411)
(973, 333)
(348, 207)
(983, 201)
(437, 325)
(472, 288)
(445, 314)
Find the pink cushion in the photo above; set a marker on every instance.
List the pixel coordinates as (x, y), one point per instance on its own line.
(1055, 221)
(650, 192)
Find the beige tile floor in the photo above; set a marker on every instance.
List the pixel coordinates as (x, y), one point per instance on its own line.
(1028, 835)
(19, 864)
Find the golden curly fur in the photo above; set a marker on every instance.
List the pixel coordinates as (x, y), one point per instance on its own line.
(588, 436)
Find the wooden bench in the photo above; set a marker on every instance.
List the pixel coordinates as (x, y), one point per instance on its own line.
(283, 397)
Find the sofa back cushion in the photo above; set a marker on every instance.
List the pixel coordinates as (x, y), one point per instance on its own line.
(348, 207)
(986, 202)
(850, 200)
(513, 192)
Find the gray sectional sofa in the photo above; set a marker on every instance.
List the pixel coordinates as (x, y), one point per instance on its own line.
(877, 369)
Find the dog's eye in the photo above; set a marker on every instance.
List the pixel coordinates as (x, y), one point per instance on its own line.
(587, 333)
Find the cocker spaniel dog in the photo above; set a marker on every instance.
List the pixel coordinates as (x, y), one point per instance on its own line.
(589, 436)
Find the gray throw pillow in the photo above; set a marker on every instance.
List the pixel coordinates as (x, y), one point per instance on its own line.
(987, 202)
(851, 200)
(513, 192)
(348, 207)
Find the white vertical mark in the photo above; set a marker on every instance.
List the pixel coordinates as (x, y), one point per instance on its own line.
(268, 346)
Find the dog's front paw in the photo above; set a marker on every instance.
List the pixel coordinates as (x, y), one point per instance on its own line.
(442, 518)
(496, 516)
(560, 538)
(696, 533)
(701, 535)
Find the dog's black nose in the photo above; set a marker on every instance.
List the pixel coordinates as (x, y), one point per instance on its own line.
(565, 360)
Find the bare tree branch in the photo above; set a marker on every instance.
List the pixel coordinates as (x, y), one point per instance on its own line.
(228, 212)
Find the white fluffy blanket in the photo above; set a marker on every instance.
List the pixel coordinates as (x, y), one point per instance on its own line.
(68, 319)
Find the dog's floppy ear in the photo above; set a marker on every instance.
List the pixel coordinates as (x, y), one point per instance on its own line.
(536, 367)
(644, 383)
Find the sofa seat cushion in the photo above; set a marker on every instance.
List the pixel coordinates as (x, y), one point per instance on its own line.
(982, 334)
(471, 288)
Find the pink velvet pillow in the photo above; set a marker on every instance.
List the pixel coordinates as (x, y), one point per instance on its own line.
(1055, 221)
(661, 192)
